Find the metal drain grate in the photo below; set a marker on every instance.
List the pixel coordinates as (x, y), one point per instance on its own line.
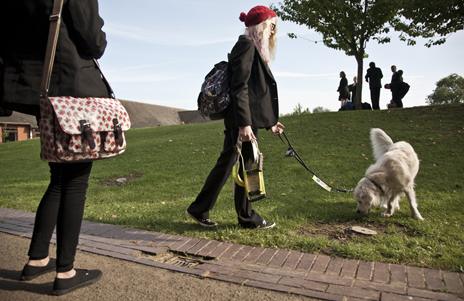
(176, 259)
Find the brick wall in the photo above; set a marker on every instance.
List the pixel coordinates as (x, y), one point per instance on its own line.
(14, 132)
(23, 132)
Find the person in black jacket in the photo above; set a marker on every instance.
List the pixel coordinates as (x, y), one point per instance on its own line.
(394, 86)
(253, 92)
(352, 89)
(24, 30)
(373, 77)
(343, 91)
(3, 111)
(402, 89)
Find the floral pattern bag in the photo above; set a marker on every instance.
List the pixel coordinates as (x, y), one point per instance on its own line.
(78, 129)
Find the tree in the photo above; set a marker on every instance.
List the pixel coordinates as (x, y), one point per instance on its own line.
(449, 90)
(299, 110)
(320, 110)
(348, 25)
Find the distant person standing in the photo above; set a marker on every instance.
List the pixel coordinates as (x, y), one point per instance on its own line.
(373, 77)
(352, 89)
(343, 92)
(402, 89)
(394, 87)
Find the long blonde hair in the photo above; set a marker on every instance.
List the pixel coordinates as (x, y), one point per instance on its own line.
(264, 38)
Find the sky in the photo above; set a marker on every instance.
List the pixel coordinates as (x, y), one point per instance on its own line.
(159, 52)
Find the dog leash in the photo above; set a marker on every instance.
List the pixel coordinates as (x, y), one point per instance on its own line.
(291, 152)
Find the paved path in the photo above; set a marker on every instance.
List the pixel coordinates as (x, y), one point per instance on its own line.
(122, 280)
(310, 275)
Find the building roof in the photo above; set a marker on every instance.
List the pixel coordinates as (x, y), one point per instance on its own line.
(19, 118)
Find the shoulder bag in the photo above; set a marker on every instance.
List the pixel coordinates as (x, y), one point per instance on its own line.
(76, 129)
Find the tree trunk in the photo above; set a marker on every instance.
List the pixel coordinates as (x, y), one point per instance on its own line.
(360, 79)
(360, 60)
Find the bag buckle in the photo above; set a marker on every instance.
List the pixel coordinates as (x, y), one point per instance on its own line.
(118, 132)
(87, 133)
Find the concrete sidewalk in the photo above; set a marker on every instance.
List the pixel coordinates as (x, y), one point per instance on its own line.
(309, 275)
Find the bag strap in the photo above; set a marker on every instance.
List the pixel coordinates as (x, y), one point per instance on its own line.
(55, 22)
(105, 81)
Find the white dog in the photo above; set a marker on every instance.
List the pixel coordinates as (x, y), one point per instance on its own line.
(392, 175)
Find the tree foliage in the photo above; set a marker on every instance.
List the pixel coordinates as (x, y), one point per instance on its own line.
(298, 110)
(433, 20)
(449, 90)
(344, 25)
(320, 110)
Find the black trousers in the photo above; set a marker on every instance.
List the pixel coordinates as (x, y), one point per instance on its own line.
(396, 98)
(217, 178)
(62, 206)
(375, 96)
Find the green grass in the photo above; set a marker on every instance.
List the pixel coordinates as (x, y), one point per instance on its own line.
(170, 164)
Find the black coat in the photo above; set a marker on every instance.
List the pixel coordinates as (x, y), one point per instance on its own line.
(24, 31)
(342, 89)
(374, 76)
(253, 89)
(396, 81)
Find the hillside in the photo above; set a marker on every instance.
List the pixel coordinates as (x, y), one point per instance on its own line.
(142, 115)
(166, 167)
(149, 115)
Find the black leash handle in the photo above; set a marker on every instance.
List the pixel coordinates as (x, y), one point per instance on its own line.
(315, 178)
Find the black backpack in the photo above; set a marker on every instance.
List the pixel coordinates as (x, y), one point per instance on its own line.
(214, 96)
(403, 89)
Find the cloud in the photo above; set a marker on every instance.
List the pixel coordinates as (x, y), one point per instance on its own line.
(139, 74)
(287, 74)
(142, 78)
(162, 37)
(415, 76)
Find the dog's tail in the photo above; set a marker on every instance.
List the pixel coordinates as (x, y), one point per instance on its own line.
(381, 142)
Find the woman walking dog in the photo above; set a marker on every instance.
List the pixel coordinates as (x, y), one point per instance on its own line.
(253, 92)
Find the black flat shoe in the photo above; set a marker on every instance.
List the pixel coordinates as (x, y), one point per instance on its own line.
(81, 279)
(263, 225)
(205, 222)
(30, 272)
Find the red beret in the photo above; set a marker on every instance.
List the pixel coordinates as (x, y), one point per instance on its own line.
(257, 15)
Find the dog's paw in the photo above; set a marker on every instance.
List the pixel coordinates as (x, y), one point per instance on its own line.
(386, 214)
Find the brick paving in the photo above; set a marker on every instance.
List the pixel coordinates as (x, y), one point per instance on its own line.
(312, 275)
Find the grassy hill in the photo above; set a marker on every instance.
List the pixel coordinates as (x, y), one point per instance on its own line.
(166, 167)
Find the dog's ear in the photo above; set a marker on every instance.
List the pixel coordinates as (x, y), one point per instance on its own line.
(377, 176)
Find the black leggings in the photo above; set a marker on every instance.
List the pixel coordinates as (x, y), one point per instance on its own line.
(62, 205)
